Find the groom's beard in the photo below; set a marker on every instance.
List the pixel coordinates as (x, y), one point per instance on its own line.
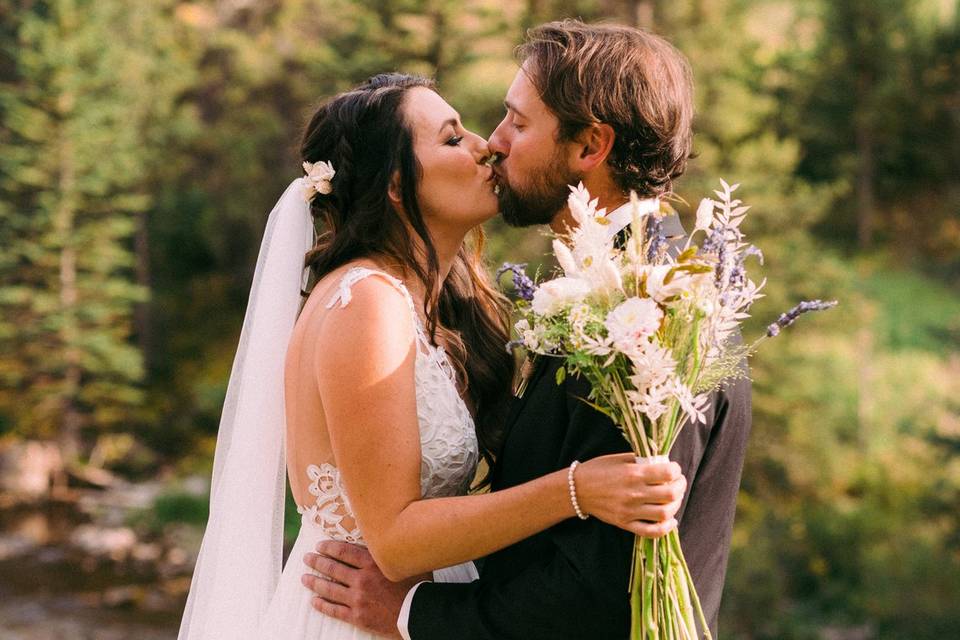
(539, 202)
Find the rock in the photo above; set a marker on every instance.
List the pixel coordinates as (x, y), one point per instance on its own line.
(122, 596)
(28, 468)
(147, 552)
(117, 543)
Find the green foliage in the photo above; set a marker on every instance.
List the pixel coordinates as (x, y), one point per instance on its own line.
(181, 507)
(73, 178)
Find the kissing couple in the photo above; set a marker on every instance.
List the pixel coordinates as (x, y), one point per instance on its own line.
(372, 374)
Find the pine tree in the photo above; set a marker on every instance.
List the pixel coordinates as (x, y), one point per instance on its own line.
(85, 87)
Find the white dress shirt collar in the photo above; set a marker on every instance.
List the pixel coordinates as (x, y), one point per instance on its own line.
(622, 215)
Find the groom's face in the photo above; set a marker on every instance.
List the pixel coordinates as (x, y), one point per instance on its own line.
(534, 171)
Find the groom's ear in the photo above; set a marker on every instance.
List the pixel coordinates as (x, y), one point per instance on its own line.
(594, 145)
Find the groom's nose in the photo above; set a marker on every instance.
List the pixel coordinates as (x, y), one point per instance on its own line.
(477, 146)
(499, 142)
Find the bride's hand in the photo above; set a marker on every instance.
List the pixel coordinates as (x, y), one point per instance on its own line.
(642, 498)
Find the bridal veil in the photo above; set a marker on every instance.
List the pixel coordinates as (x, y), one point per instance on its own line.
(241, 554)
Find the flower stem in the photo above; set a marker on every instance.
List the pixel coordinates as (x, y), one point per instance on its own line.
(673, 539)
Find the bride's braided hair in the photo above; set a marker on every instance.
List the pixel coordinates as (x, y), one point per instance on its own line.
(364, 134)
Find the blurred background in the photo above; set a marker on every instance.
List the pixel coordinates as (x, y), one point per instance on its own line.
(142, 145)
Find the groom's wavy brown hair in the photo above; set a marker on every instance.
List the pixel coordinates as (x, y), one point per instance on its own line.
(630, 79)
(365, 135)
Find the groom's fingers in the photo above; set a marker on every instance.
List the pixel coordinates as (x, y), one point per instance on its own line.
(331, 568)
(330, 591)
(332, 609)
(354, 555)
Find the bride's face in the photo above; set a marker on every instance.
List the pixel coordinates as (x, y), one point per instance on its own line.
(456, 186)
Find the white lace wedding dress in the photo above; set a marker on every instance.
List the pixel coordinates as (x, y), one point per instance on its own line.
(449, 454)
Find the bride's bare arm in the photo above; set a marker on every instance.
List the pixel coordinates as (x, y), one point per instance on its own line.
(365, 372)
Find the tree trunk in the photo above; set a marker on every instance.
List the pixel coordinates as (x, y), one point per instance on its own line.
(435, 54)
(64, 227)
(532, 14)
(644, 13)
(141, 314)
(866, 193)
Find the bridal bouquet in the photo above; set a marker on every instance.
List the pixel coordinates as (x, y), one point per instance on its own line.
(650, 327)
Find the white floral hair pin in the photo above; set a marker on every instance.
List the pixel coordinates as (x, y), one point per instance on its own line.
(319, 175)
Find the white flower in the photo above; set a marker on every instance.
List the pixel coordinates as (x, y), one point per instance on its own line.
(631, 321)
(565, 258)
(581, 206)
(319, 175)
(598, 346)
(705, 306)
(704, 215)
(590, 253)
(579, 314)
(653, 365)
(553, 295)
(660, 290)
(693, 406)
(531, 337)
(606, 277)
(651, 402)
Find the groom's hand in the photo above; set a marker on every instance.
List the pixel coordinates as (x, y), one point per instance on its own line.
(353, 589)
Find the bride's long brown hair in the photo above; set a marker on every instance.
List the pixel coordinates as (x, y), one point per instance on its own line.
(364, 134)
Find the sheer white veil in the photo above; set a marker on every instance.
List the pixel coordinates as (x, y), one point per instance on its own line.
(240, 559)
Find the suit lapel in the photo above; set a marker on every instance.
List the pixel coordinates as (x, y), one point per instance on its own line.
(541, 364)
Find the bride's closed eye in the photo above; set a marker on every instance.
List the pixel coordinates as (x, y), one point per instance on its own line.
(454, 141)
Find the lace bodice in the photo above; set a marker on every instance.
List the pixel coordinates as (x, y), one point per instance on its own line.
(448, 443)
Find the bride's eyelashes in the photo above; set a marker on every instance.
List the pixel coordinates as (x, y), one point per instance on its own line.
(454, 141)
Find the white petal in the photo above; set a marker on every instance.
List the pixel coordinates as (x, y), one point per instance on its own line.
(704, 215)
(565, 258)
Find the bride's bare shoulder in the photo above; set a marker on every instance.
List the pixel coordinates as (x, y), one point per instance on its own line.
(356, 305)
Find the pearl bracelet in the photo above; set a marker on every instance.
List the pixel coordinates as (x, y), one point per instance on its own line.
(573, 490)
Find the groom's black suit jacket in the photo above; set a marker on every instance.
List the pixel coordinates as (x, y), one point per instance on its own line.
(570, 581)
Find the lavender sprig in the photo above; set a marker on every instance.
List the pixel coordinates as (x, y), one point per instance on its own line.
(521, 282)
(788, 318)
(737, 278)
(713, 242)
(513, 345)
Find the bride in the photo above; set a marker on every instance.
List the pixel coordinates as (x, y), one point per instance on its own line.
(382, 390)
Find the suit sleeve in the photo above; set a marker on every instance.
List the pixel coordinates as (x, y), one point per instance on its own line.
(714, 456)
(579, 589)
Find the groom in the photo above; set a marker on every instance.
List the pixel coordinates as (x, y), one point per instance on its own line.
(612, 107)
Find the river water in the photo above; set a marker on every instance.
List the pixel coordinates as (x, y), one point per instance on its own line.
(64, 578)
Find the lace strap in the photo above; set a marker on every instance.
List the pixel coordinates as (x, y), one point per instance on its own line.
(343, 294)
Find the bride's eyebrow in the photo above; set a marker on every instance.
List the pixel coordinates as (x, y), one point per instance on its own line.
(450, 121)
